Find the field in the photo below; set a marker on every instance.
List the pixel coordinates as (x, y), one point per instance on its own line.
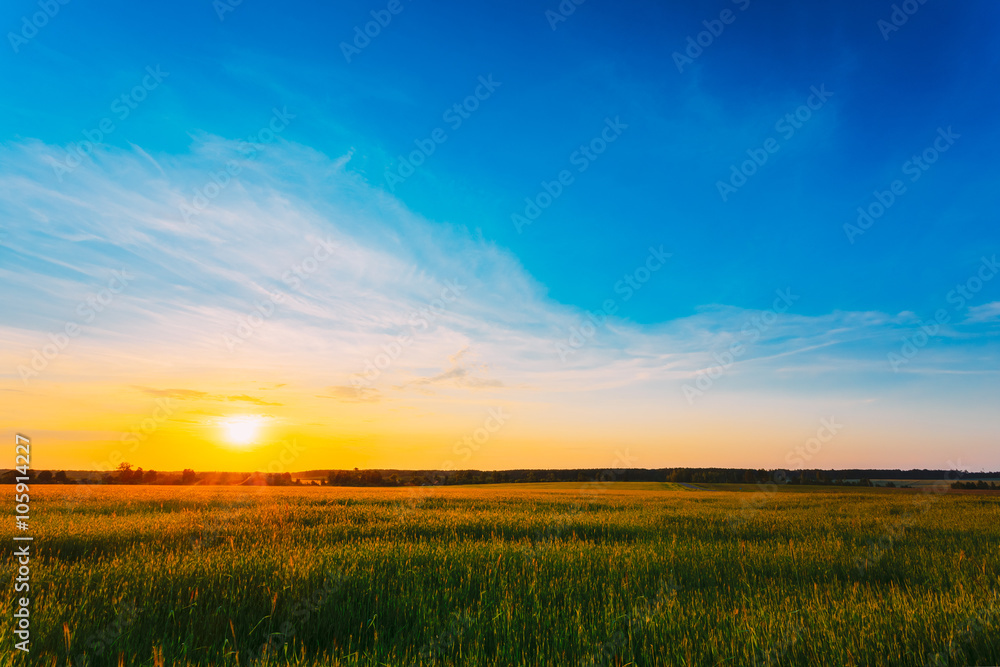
(521, 574)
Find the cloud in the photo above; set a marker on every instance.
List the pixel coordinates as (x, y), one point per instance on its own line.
(249, 399)
(460, 374)
(353, 394)
(193, 395)
(988, 312)
(249, 287)
(179, 394)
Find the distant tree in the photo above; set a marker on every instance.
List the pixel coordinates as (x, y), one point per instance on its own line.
(125, 474)
(61, 477)
(188, 476)
(149, 477)
(45, 477)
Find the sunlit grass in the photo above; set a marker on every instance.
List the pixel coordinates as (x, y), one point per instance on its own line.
(547, 574)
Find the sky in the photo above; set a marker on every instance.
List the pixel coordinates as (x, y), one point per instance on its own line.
(251, 236)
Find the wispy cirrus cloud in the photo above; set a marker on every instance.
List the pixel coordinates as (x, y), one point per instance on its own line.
(353, 394)
(245, 266)
(459, 374)
(194, 395)
(987, 312)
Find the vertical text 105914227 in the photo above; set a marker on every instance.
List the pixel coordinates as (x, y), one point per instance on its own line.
(22, 577)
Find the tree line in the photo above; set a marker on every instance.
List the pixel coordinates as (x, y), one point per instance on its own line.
(980, 485)
(126, 474)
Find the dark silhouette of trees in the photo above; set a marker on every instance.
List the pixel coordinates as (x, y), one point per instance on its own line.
(981, 485)
(125, 473)
(279, 479)
(358, 478)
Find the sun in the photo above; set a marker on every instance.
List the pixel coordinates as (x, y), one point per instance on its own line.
(241, 431)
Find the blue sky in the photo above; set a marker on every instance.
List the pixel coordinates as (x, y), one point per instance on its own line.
(655, 185)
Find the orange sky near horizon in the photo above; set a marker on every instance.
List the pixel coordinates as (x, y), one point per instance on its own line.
(133, 335)
(274, 428)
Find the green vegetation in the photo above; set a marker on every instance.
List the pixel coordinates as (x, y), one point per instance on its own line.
(541, 574)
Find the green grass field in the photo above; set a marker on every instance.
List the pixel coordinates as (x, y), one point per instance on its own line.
(520, 574)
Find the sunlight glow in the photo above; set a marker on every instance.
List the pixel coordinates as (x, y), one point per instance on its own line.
(241, 430)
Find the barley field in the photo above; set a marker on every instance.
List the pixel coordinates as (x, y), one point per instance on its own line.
(520, 574)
